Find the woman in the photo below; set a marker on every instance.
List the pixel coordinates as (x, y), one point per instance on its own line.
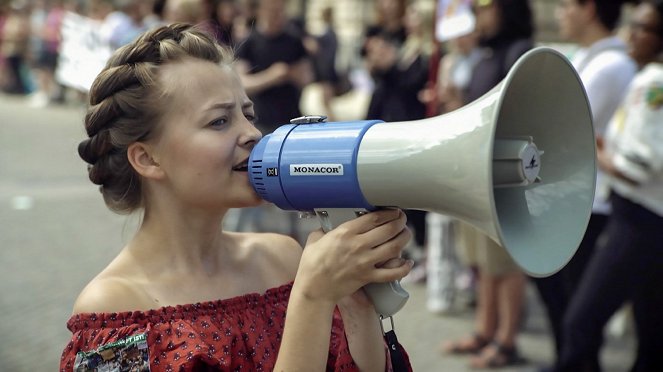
(171, 129)
(628, 260)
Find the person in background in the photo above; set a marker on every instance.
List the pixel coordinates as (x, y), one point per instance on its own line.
(154, 11)
(222, 21)
(451, 275)
(4, 80)
(188, 11)
(170, 129)
(456, 71)
(400, 71)
(505, 29)
(125, 22)
(606, 70)
(388, 23)
(628, 260)
(274, 67)
(48, 90)
(245, 20)
(14, 48)
(322, 49)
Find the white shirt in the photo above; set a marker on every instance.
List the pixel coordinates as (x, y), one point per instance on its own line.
(635, 140)
(606, 71)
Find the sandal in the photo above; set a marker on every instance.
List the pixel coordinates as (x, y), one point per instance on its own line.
(469, 345)
(496, 355)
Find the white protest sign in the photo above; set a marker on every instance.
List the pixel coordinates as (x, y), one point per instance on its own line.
(454, 19)
(83, 52)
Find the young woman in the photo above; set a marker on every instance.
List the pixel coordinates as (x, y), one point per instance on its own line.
(170, 132)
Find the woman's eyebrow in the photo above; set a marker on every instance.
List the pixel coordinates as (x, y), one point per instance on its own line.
(222, 105)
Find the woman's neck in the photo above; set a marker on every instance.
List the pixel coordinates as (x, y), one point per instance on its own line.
(188, 241)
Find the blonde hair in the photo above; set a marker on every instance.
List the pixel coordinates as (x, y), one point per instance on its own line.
(126, 105)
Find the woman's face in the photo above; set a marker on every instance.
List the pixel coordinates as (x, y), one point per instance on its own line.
(205, 139)
(644, 42)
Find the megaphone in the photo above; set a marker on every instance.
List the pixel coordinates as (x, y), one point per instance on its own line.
(518, 164)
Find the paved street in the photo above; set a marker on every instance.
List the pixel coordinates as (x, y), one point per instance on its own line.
(56, 233)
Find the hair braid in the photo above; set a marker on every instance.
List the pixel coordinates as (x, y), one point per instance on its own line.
(124, 106)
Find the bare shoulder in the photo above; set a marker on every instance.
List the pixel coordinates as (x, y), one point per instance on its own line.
(278, 252)
(108, 293)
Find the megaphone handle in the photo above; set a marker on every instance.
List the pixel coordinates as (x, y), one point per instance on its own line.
(387, 298)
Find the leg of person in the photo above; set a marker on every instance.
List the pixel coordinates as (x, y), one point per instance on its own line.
(440, 263)
(486, 310)
(644, 229)
(647, 305)
(606, 284)
(556, 290)
(510, 288)
(485, 320)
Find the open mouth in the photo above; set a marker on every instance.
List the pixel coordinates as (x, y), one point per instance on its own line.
(242, 167)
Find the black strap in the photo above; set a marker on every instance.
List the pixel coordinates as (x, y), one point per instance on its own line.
(395, 352)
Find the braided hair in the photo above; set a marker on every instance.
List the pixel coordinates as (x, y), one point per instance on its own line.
(126, 102)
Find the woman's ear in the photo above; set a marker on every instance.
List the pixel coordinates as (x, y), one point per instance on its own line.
(141, 158)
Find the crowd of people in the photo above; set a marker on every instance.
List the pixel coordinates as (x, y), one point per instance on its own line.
(413, 76)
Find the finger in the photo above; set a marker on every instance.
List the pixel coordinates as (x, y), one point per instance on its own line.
(381, 254)
(383, 275)
(392, 263)
(383, 233)
(371, 220)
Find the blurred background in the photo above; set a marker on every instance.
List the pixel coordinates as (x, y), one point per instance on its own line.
(56, 233)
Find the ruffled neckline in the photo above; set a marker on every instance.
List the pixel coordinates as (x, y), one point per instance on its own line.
(229, 306)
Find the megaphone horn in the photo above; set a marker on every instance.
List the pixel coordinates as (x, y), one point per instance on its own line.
(483, 164)
(479, 163)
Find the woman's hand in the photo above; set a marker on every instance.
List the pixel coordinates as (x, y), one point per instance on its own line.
(365, 250)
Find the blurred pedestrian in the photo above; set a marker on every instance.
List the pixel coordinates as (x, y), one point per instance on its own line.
(170, 131)
(14, 48)
(606, 71)
(400, 72)
(222, 21)
(456, 71)
(274, 67)
(48, 89)
(189, 11)
(628, 261)
(323, 49)
(505, 29)
(388, 24)
(125, 22)
(447, 276)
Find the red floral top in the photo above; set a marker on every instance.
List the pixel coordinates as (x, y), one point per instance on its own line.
(237, 334)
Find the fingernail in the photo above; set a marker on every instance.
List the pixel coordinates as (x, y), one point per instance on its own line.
(410, 263)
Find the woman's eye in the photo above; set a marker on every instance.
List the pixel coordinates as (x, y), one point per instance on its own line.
(218, 122)
(250, 117)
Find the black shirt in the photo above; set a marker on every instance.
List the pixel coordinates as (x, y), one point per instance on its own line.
(274, 106)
